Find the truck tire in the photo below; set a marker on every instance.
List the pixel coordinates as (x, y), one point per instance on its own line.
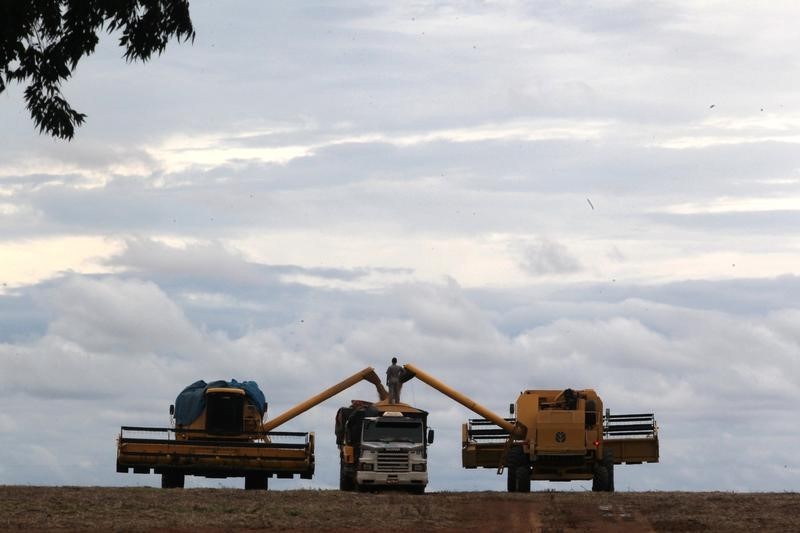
(255, 482)
(172, 480)
(345, 480)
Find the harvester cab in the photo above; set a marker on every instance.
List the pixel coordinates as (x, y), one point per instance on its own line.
(568, 416)
(225, 411)
(229, 410)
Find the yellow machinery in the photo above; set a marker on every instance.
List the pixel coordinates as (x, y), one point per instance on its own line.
(228, 439)
(556, 435)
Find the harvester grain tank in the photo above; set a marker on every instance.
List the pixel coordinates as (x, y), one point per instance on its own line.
(555, 435)
(218, 431)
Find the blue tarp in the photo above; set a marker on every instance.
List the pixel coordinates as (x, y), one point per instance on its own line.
(192, 400)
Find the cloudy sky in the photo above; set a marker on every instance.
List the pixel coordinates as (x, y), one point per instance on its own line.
(510, 195)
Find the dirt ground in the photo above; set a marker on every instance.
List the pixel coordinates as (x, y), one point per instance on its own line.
(150, 509)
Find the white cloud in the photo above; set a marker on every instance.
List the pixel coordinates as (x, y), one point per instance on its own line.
(547, 257)
(30, 261)
(115, 316)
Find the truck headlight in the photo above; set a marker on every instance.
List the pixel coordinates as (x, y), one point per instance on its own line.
(418, 467)
(366, 466)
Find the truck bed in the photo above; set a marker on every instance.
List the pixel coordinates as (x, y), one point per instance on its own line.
(281, 454)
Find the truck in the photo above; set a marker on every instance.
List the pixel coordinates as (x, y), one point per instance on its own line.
(218, 430)
(552, 435)
(382, 445)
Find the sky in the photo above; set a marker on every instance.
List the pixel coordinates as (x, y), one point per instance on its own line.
(509, 195)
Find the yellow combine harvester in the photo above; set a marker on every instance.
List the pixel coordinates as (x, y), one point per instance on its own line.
(218, 432)
(557, 435)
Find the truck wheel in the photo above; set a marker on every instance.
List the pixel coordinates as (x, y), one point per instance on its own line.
(600, 479)
(418, 490)
(255, 482)
(172, 480)
(345, 481)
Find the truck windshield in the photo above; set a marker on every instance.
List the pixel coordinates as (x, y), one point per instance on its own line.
(385, 431)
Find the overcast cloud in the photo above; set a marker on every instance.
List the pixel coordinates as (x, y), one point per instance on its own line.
(511, 195)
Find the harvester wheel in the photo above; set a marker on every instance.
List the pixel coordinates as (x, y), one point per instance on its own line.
(511, 482)
(600, 479)
(523, 475)
(255, 482)
(608, 462)
(610, 486)
(172, 480)
(519, 471)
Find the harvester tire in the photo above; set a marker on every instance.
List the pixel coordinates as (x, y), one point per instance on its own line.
(523, 475)
(608, 462)
(519, 471)
(172, 480)
(600, 479)
(255, 482)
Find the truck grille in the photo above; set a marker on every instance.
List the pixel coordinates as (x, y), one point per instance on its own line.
(390, 461)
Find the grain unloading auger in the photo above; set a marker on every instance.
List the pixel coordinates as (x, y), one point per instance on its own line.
(556, 435)
(219, 432)
(368, 374)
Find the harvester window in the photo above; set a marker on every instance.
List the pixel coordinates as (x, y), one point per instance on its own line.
(566, 399)
(571, 399)
(591, 413)
(224, 413)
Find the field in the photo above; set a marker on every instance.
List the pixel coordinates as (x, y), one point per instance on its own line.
(148, 509)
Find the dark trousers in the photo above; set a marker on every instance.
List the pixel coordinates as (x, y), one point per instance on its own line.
(394, 392)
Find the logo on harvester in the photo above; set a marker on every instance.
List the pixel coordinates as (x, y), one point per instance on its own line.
(561, 436)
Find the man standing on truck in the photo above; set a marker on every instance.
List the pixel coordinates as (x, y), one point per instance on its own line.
(394, 376)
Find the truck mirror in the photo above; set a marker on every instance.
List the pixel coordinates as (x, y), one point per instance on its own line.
(430, 435)
(511, 408)
(171, 409)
